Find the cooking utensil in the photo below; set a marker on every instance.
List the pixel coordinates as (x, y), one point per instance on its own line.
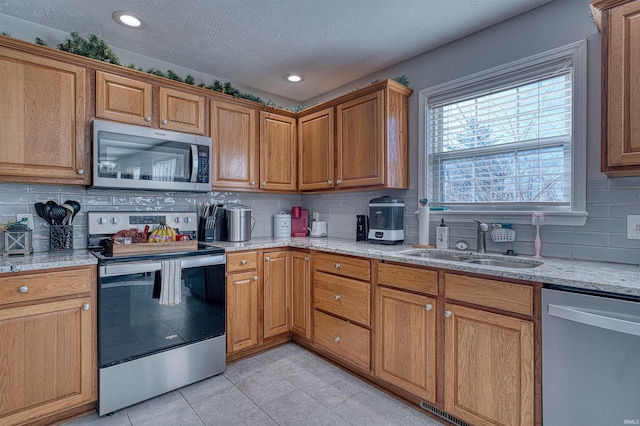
(40, 210)
(76, 208)
(57, 215)
(70, 211)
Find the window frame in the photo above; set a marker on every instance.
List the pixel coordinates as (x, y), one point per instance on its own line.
(513, 72)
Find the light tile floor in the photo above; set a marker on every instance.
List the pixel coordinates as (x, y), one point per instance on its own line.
(287, 385)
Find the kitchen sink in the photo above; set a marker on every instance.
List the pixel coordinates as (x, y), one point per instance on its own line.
(473, 258)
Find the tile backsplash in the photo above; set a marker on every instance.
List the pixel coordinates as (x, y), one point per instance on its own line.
(603, 238)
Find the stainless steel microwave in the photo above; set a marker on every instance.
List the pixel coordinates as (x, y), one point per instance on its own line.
(137, 157)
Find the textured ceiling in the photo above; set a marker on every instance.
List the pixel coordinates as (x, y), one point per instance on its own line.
(254, 43)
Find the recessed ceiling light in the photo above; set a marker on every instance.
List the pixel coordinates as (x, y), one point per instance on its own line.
(293, 78)
(128, 19)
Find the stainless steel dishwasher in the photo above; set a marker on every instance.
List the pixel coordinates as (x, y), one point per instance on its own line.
(590, 359)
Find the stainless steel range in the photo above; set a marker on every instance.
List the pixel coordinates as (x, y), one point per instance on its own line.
(146, 348)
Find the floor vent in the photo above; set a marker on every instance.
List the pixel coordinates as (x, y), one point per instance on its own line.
(448, 417)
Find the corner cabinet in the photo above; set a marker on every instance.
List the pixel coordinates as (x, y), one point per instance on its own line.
(43, 118)
(278, 148)
(619, 22)
(371, 147)
(48, 350)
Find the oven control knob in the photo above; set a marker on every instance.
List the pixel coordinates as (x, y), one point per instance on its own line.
(115, 220)
(187, 220)
(176, 220)
(102, 221)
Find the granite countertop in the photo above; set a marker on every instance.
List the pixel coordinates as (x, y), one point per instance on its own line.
(616, 278)
(46, 260)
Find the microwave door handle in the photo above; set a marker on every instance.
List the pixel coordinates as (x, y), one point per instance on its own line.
(194, 162)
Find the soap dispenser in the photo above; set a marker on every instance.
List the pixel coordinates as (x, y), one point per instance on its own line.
(442, 236)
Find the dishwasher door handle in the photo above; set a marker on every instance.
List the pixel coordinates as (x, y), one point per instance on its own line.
(594, 319)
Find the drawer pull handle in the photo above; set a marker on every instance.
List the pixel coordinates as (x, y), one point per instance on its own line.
(336, 297)
(266, 259)
(86, 307)
(255, 278)
(428, 306)
(243, 262)
(336, 339)
(338, 266)
(447, 314)
(23, 289)
(165, 121)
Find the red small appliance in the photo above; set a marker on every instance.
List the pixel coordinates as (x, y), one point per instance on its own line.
(299, 222)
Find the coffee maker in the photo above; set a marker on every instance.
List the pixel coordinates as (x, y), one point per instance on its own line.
(386, 224)
(299, 222)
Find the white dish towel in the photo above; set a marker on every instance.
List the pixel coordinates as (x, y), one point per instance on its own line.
(170, 285)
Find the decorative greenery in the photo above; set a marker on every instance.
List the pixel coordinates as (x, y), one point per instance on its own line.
(94, 48)
(402, 80)
(40, 41)
(4, 33)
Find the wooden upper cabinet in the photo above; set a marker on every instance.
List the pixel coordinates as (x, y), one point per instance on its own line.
(235, 150)
(278, 160)
(43, 119)
(316, 150)
(360, 142)
(181, 111)
(620, 24)
(123, 99)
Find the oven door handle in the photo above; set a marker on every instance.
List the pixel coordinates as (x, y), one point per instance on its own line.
(130, 268)
(197, 262)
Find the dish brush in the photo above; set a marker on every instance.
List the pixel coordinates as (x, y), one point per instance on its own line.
(537, 220)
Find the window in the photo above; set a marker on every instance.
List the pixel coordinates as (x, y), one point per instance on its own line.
(509, 140)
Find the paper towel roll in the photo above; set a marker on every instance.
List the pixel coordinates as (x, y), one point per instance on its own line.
(423, 225)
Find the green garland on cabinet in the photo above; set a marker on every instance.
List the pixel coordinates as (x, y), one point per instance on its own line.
(96, 48)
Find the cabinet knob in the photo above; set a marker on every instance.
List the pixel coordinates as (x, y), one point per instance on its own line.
(338, 266)
(306, 259)
(267, 258)
(255, 278)
(447, 314)
(86, 307)
(329, 182)
(243, 262)
(80, 171)
(165, 121)
(23, 289)
(428, 307)
(336, 339)
(147, 118)
(264, 183)
(336, 297)
(252, 183)
(338, 182)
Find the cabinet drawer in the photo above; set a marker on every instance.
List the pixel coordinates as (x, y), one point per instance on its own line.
(516, 298)
(407, 278)
(342, 265)
(242, 261)
(342, 296)
(45, 284)
(343, 339)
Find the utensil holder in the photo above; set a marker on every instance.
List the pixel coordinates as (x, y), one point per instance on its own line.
(60, 237)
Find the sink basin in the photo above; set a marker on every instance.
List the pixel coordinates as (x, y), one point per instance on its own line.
(504, 263)
(474, 259)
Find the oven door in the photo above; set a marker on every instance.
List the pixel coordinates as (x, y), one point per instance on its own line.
(131, 322)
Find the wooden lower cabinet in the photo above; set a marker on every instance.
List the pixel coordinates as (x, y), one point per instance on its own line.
(47, 359)
(242, 310)
(406, 341)
(343, 339)
(277, 283)
(489, 367)
(300, 306)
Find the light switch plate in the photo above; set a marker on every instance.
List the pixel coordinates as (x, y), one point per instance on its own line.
(633, 227)
(29, 216)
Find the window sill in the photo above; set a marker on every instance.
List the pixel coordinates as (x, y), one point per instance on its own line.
(577, 218)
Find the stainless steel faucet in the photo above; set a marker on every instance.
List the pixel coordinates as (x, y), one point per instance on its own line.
(481, 246)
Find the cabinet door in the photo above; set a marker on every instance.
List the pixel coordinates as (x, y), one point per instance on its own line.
(233, 132)
(316, 150)
(242, 311)
(301, 295)
(48, 359)
(43, 119)
(489, 367)
(277, 281)
(360, 142)
(278, 149)
(123, 99)
(622, 92)
(406, 341)
(181, 111)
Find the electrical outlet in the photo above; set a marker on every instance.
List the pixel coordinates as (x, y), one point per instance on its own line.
(633, 227)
